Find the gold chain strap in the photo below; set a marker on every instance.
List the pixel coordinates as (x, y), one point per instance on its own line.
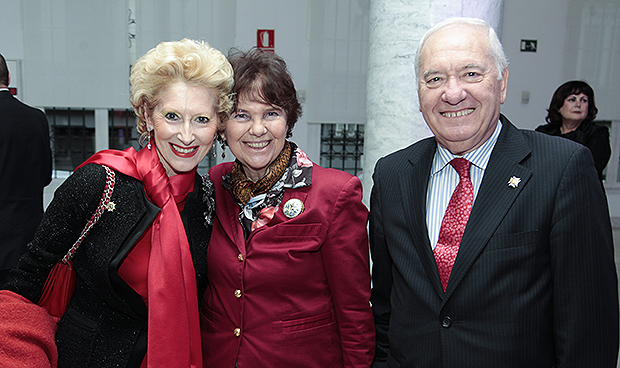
(103, 203)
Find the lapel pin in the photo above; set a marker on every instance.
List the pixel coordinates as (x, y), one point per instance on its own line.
(293, 208)
(514, 182)
(110, 206)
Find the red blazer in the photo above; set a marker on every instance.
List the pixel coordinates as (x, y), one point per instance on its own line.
(296, 293)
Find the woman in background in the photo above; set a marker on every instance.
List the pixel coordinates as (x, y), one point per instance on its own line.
(571, 114)
(143, 265)
(289, 280)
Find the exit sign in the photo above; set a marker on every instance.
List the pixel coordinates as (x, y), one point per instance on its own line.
(529, 45)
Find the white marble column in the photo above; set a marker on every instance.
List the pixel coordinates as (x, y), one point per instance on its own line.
(393, 120)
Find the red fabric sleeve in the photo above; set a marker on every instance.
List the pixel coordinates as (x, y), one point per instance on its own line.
(26, 333)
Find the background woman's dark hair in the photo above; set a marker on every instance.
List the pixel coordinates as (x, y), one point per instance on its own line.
(262, 76)
(569, 88)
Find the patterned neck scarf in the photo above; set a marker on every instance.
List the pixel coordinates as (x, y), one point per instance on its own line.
(244, 189)
(260, 209)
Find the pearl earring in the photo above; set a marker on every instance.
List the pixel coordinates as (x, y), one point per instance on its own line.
(148, 137)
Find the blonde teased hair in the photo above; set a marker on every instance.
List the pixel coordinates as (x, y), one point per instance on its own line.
(189, 61)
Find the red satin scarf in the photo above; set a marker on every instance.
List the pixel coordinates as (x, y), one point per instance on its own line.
(173, 320)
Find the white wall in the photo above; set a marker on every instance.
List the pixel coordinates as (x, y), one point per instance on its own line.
(556, 24)
(11, 30)
(11, 44)
(289, 20)
(76, 53)
(572, 39)
(168, 20)
(538, 73)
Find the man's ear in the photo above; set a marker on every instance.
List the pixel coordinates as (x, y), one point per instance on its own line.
(504, 87)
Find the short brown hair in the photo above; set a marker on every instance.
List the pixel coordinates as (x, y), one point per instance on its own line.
(262, 76)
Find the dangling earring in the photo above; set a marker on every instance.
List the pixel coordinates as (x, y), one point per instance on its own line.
(148, 137)
(213, 149)
(223, 147)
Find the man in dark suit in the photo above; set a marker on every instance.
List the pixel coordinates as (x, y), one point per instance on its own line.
(534, 282)
(25, 169)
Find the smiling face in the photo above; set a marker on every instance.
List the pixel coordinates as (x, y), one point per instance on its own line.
(183, 124)
(575, 108)
(459, 91)
(256, 133)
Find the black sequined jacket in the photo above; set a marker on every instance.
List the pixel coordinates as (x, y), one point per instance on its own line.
(106, 321)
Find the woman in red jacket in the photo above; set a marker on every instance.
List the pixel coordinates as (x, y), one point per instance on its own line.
(289, 280)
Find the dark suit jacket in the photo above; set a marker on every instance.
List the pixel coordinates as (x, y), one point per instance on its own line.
(534, 283)
(25, 169)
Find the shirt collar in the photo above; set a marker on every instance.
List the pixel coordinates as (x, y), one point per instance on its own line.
(478, 157)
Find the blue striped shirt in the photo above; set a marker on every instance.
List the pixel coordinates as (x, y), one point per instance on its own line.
(444, 179)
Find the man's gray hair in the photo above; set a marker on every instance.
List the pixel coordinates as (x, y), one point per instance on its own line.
(495, 46)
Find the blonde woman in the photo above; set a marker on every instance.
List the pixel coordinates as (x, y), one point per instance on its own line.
(142, 267)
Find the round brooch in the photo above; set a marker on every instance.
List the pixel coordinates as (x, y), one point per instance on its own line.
(293, 207)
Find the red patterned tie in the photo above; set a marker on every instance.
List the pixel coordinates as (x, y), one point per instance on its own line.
(454, 221)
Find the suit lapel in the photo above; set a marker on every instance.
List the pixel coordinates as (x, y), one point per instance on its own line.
(413, 187)
(226, 209)
(232, 225)
(494, 198)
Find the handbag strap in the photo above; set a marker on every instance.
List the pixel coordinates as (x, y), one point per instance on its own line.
(103, 205)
